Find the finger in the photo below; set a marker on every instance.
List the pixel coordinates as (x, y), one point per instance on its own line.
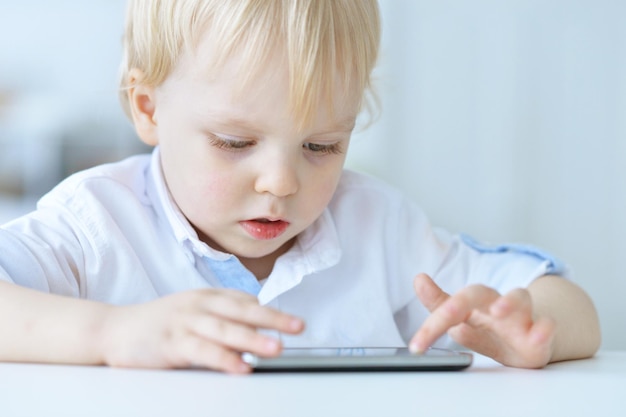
(428, 292)
(475, 339)
(542, 331)
(195, 351)
(455, 310)
(230, 293)
(235, 336)
(247, 311)
(535, 351)
(515, 301)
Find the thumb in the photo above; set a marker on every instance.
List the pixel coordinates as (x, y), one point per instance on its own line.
(428, 292)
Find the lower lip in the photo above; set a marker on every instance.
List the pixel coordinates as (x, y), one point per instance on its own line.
(264, 231)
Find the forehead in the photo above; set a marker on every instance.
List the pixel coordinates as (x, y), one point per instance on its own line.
(244, 81)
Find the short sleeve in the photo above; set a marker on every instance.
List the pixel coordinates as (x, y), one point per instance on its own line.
(549, 263)
(18, 265)
(40, 255)
(503, 266)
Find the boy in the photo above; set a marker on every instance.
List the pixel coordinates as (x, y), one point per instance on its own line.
(242, 225)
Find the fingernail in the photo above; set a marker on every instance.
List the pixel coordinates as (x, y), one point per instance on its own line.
(296, 324)
(499, 307)
(415, 347)
(243, 368)
(272, 345)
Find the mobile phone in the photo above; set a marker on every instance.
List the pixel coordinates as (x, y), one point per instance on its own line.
(360, 359)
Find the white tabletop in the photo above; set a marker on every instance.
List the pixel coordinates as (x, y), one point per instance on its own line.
(593, 387)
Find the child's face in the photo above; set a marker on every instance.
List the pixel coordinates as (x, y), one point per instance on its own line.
(237, 165)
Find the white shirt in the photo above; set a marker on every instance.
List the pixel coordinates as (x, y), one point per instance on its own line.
(113, 234)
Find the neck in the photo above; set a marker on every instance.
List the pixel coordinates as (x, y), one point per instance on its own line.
(262, 267)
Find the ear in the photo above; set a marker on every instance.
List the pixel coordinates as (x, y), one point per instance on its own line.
(141, 102)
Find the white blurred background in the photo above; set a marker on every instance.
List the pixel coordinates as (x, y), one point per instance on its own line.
(503, 119)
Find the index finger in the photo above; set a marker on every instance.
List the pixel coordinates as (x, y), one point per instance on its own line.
(246, 310)
(429, 293)
(453, 311)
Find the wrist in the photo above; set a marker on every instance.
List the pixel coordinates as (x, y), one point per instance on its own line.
(107, 335)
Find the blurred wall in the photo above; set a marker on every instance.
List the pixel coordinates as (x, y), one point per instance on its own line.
(59, 109)
(503, 119)
(507, 120)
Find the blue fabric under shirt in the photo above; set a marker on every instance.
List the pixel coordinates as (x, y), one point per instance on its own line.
(554, 265)
(232, 274)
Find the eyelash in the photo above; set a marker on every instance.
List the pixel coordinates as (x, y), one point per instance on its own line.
(332, 149)
(240, 145)
(229, 144)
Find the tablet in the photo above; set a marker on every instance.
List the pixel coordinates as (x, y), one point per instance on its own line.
(359, 359)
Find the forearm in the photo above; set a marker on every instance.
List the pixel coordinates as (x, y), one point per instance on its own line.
(577, 327)
(39, 327)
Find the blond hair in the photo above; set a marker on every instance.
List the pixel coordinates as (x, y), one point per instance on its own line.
(322, 39)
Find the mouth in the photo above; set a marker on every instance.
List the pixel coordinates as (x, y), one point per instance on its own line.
(264, 229)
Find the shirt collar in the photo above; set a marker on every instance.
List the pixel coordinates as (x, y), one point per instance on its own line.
(317, 248)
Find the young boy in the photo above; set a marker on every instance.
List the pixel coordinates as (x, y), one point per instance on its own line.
(242, 225)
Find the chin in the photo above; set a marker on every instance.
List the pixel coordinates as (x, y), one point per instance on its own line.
(268, 250)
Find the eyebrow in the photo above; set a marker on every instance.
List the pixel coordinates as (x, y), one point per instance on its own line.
(229, 120)
(345, 125)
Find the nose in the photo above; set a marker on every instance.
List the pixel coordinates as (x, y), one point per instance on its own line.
(278, 177)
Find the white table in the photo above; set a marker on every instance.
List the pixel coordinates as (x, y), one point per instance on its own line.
(594, 387)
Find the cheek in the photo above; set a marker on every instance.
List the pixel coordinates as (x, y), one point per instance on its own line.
(203, 195)
(328, 191)
(218, 188)
(214, 190)
(326, 184)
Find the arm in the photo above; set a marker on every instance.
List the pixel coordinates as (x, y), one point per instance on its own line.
(577, 331)
(552, 320)
(38, 327)
(204, 327)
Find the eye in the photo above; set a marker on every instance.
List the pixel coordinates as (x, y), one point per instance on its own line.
(229, 143)
(326, 149)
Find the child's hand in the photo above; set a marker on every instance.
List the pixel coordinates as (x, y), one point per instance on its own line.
(207, 328)
(478, 317)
